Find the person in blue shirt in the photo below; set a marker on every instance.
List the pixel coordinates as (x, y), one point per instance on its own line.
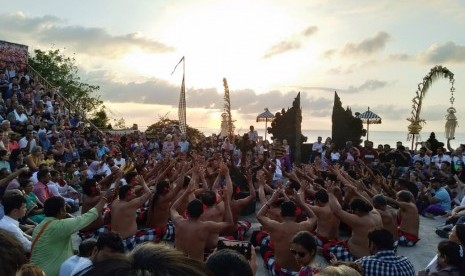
(437, 198)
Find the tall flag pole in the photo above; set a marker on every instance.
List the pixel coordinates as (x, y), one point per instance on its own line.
(182, 98)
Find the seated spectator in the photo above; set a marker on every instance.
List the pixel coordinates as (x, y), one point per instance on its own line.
(4, 160)
(34, 208)
(28, 142)
(457, 235)
(451, 260)
(12, 253)
(231, 261)
(434, 201)
(107, 246)
(15, 209)
(304, 247)
(30, 270)
(35, 158)
(157, 259)
(339, 270)
(119, 265)
(384, 260)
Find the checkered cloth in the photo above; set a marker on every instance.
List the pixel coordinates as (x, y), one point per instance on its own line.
(84, 235)
(168, 232)
(340, 249)
(321, 240)
(270, 263)
(386, 263)
(261, 238)
(242, 227)
(141, 236)
(407, 239)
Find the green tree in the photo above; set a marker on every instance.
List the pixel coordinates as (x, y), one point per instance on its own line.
(194, 135)
(120, 123)
(61, 72)
(101, 120)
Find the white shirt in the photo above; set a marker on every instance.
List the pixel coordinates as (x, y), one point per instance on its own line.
(68, 266)
(425, 159)
(23, 143)
(53, 188)
(120, 163)
(11, 225)
(277, 173)
(317, 147)
(438, 160)
(82, 264)
(253, 135)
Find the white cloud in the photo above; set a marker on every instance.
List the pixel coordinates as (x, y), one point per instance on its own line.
(49, 30)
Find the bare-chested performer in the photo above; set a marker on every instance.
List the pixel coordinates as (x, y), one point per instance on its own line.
(408, 217)
(274, 212)
(280, 260)
(159, 207)
(123, 215)
(192, 234)
(388, 216)
(327, 225)
(363, 220)
(91, 196)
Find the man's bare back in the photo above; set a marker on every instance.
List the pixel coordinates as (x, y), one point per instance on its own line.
(158, 214)
(123, 219)
(358, 242)
(215, 214)
(388, 216)
(327, 224)
(281, 234)
(410, 220)
(191, 238)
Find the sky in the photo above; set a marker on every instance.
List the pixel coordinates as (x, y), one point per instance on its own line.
(373, 53)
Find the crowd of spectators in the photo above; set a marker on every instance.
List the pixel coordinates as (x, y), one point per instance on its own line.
(134, 189)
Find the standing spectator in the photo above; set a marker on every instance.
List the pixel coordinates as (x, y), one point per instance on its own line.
(317, 148)
(421, 156)
(253, 135)
(440, 157)
(184, 144)
(384, 260)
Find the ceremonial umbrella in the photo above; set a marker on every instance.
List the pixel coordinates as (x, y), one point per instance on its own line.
(369, 117)
(265, 117)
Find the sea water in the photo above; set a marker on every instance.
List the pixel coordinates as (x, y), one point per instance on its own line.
(378, 137)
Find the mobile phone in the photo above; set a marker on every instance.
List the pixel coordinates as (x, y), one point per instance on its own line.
(242, 247)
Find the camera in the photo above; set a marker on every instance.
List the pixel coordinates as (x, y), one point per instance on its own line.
(242, 247)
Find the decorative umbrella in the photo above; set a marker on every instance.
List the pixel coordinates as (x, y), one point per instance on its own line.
(368, 118)
(265, 117)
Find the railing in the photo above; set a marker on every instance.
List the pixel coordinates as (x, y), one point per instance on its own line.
(38, 77)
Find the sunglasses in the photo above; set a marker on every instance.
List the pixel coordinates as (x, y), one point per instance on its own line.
(301, 254)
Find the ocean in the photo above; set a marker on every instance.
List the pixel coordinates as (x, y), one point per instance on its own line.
(378, 137)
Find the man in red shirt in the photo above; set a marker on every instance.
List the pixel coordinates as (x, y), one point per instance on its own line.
(41, 189)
